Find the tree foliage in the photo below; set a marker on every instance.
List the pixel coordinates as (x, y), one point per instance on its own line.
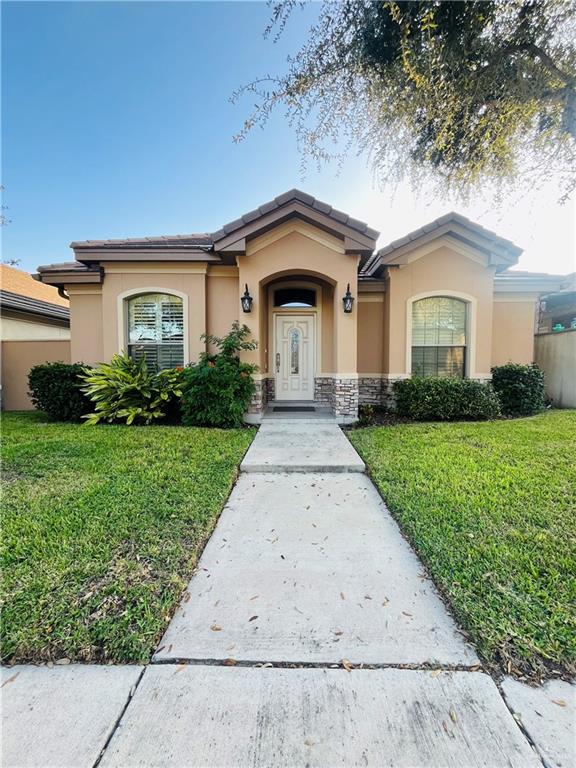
(458, 93)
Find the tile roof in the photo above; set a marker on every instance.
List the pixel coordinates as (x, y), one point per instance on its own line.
(206, 240)
(448, 218)
(296, 195)
(457, 218)
(18, 282)
(199, 240)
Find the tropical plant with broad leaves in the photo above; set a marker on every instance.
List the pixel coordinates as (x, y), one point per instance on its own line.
(125, 390)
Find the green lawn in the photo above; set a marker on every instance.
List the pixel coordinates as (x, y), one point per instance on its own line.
(102, 527)
(491, 509)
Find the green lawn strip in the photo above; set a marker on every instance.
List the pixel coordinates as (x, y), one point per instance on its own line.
(491, 509)
(102, 527)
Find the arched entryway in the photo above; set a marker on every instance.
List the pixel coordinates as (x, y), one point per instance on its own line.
(299, 349)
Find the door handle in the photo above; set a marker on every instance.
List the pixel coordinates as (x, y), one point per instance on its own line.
(277, 362)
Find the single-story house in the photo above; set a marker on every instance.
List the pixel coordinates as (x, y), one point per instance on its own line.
(337, 321)
(35, 328)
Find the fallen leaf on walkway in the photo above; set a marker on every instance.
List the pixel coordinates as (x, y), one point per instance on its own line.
(229, 648)
(186, 597)
(559, 702)
(10, 679)
(215, 628)
(342, 595)
(338, 632)
(252, 618)
(348, 666)
(452, 713)
(309, 743)
(367, 597)
(406, 613)
(385, 602)
(448, 731)
(254, 597)
(229, 662)
(436, 673)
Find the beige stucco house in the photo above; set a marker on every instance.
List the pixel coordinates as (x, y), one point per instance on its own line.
(336, 320)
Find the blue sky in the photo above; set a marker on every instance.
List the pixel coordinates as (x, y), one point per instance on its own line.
(117, 123)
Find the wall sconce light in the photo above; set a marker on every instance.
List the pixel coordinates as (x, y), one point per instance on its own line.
(246, 301)
(348, 300)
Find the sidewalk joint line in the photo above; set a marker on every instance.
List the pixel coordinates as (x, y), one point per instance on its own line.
(231, 662)
(131, 693)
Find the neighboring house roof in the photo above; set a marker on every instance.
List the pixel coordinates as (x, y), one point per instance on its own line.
(22, 283)
(30, 306)
(21, 293)
(502, 252)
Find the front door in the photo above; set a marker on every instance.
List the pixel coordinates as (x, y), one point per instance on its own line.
(294, 357)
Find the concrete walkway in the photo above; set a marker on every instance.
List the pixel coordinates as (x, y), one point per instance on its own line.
(309, 635)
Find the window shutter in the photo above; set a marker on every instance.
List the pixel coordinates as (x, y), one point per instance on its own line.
(156, 330)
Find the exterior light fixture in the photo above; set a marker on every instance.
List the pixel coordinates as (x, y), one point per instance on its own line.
(246, 301)
(348, 300)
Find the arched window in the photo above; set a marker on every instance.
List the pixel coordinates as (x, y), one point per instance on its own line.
(156, 330)
(439, 337)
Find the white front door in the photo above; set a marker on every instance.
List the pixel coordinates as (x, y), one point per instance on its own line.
(294, 357)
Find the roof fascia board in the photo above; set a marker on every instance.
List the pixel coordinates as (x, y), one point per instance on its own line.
(70, 276)
(120, 254)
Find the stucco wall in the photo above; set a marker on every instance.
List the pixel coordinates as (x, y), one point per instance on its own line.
(17, 359)
(442, 272)
(187, 280)
(555, 353)
(222, 301)
(305, 250)
(371, 333)
(513, 331)
(13, 329)
(86, 326)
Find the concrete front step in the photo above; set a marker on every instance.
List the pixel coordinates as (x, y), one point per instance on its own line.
(301, 445)
(311, 568)
(233, 717)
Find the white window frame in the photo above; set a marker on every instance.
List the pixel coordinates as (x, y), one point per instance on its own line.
(471, 312)
(122, 311)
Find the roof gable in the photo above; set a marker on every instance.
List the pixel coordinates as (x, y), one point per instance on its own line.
(464, 233)
(356, 235)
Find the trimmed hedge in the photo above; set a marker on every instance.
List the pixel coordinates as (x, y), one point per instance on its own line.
(520, 388)
(55, 389)
(445, 399)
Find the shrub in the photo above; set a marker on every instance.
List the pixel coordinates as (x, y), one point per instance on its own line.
(218, 389)
(125, 390)
(520, 388)
(55, 388)
(366, 415)
(429, 399)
